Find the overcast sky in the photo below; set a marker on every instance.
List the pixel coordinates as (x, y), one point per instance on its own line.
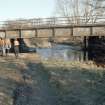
(12, 9)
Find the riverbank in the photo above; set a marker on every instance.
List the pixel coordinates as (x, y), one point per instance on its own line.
(30, 81)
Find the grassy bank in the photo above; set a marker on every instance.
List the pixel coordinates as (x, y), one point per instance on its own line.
(11, 74)
(77, 83)
(30, 81)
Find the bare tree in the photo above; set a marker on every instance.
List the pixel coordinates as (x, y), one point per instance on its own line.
(90, 9)
(93, 9)
(68, 8)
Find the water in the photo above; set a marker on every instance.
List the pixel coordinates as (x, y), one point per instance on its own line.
(62, 52)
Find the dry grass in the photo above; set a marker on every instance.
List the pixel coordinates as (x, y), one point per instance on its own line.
(11, 70)
(70, 64)
(75, 83)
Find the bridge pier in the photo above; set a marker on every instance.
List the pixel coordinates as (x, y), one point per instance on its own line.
(36, 33)
(5, 34)
(20, 34)
(85, 42)
(53, 32)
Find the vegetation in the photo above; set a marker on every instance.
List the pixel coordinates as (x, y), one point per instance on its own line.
(29, 81)
(90, 9)
(77, 83)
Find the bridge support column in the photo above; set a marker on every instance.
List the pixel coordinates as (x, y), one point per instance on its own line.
(5, 34)
(53, 35)
(53, 32)
(36, 33)
(20, 40)
(20, 34)
(85, 42)
(71, 32)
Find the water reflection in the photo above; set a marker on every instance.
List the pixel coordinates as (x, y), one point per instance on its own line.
(73, 53)
(63, 52)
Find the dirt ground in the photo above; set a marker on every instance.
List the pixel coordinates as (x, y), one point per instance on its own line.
(30, 81)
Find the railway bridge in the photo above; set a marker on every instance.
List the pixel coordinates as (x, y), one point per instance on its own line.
(56, 27)
(52, 27)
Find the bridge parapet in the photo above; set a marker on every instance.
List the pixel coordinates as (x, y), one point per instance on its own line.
(51, 22)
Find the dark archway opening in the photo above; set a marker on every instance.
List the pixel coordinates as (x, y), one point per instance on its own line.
(96, 49)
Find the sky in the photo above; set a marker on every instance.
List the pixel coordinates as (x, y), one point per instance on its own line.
(14, 9)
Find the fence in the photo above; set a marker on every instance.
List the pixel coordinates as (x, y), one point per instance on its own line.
(49, 22)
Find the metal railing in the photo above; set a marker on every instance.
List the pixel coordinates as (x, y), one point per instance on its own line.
(53, 21)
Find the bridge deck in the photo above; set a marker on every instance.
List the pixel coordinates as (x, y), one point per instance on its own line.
(51, 27)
